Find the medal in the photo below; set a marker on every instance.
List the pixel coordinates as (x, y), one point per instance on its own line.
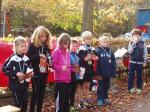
(90, 62)
(89, 50)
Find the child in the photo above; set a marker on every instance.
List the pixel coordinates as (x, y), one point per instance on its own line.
(106, 68)
(86, 66)
(39, 54)
(138, 55)
(62, 73)
(16, 68)
(74, 72)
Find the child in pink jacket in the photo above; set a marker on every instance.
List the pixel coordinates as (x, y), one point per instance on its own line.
(62, 74)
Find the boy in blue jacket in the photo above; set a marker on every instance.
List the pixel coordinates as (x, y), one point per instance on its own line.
(106, 68)
(138, 56)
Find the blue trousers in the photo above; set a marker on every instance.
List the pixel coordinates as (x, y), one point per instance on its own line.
(103, 87)
(132, 68)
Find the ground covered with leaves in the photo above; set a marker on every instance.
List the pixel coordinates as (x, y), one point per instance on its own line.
(121, 101)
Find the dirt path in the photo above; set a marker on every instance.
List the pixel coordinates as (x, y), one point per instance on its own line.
(142, 105)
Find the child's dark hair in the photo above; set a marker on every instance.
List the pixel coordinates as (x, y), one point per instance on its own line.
(64, 38)
(136, 32)
(74, 41)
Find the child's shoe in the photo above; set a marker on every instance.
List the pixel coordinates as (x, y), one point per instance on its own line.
(71, 109)
(106, 101)
(85, 103)
(100, 102)
(139, 91)
(81, 104)
(132, 90)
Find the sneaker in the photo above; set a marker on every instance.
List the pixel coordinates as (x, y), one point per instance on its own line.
(139, 91)
(71, 109)
(106, 101)
(81, 104)
(100, 102)
(132, 90)
(86, 104)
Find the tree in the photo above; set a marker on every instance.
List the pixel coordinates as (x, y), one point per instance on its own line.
(146, 3)
(87, 20)
(115, 16)
(58, 15)
(73, 16)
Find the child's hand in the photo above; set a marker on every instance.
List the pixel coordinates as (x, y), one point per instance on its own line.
(29, 75)
(77, 69)
(144, 65)
(135, 39)
(20, 75)
(87, 58)
(43, 56)
(64, 68)
(96, 58)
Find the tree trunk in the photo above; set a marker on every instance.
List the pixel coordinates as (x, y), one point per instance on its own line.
(87, 21)
(0, 17)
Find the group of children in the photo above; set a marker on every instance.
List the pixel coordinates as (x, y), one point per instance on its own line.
(75, 66)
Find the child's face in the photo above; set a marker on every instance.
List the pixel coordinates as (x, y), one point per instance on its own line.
(65, 46)
(104, 43)
(21, 48)
(87, 41)
(74, 47)
(136, 37)
(43, 37)
(79, 43)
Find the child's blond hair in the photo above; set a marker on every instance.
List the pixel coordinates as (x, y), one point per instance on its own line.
(105, 38)
(36, 36)
(86, 35)
(18, 40)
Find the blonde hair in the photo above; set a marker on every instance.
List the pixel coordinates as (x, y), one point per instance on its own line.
(64, 38)
(18, 40)
(105, 38)
(86, 34)
(36, 36)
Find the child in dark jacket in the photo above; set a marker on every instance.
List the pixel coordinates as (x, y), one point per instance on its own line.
(19, 69)
(86, 65)
(106, 68)
(39, 54)
(138, 56)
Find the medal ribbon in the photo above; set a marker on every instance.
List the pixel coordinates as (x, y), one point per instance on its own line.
(109, 54)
